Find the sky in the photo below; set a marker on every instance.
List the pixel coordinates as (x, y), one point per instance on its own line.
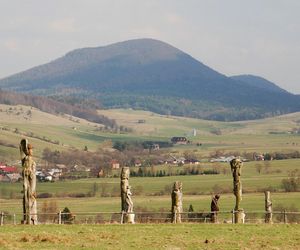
(260, 37)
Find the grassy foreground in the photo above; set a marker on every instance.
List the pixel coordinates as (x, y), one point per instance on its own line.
(166, 236)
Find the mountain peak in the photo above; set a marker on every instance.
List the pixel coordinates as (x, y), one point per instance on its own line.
(144, 50)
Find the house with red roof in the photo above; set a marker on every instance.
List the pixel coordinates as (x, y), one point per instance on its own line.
(8, 169)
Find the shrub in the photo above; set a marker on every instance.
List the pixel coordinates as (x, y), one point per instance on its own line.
(44, 195)
(77, 195)
(211, 171)
(292, 184)
(67, 217)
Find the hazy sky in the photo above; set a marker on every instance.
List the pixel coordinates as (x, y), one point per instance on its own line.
(260, 37)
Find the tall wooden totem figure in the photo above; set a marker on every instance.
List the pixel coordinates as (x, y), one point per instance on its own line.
(176, 196)
(268, 207)
(236, 170)
(126, 201)
(29, 183)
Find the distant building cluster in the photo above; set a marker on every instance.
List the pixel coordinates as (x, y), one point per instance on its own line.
(9, 173)
(52, 174)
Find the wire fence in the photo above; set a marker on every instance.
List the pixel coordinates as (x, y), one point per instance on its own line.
(251, 217)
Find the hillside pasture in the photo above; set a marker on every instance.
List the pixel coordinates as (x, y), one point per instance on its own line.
(266, 135)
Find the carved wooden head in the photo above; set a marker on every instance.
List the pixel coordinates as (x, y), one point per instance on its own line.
(125, 173)
(24, 148)
(177, 186)
(235, 163)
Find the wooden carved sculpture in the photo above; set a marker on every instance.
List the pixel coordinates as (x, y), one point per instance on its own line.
(176, 202)
(29, 183)
(126, 201)
(236, 170)
(268, 207)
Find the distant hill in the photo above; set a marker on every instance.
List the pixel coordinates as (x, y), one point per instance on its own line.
(259, 82)
(152, 75)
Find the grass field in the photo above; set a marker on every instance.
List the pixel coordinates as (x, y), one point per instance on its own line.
(192, 184)
(169, 125)
(151, 236)
(251, 203)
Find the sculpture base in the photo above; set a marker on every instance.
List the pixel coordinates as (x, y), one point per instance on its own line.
(239, 216)
(176, 218)
(214, 218)
(268, 218)
(129, 218)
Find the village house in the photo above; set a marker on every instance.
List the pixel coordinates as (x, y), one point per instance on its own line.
(174, 160)
(258, 157)
(80, 168)
(62, 167)
(154, 146)
(114, 164)
(14, 177)
(223, 159)
(9, 173)
(179, 140)
(4, 178)
(137, 163)
(101, 173)
(55, 172)
(192, 161)
(8, 169)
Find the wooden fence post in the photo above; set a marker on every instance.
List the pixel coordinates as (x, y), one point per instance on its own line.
(122, 217)
(284, 217)
(59, 217)
(233, 217)
(2, 219)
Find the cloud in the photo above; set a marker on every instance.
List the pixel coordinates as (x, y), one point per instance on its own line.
(66, 25)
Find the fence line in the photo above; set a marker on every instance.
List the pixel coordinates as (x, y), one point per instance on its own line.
(148, 217)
